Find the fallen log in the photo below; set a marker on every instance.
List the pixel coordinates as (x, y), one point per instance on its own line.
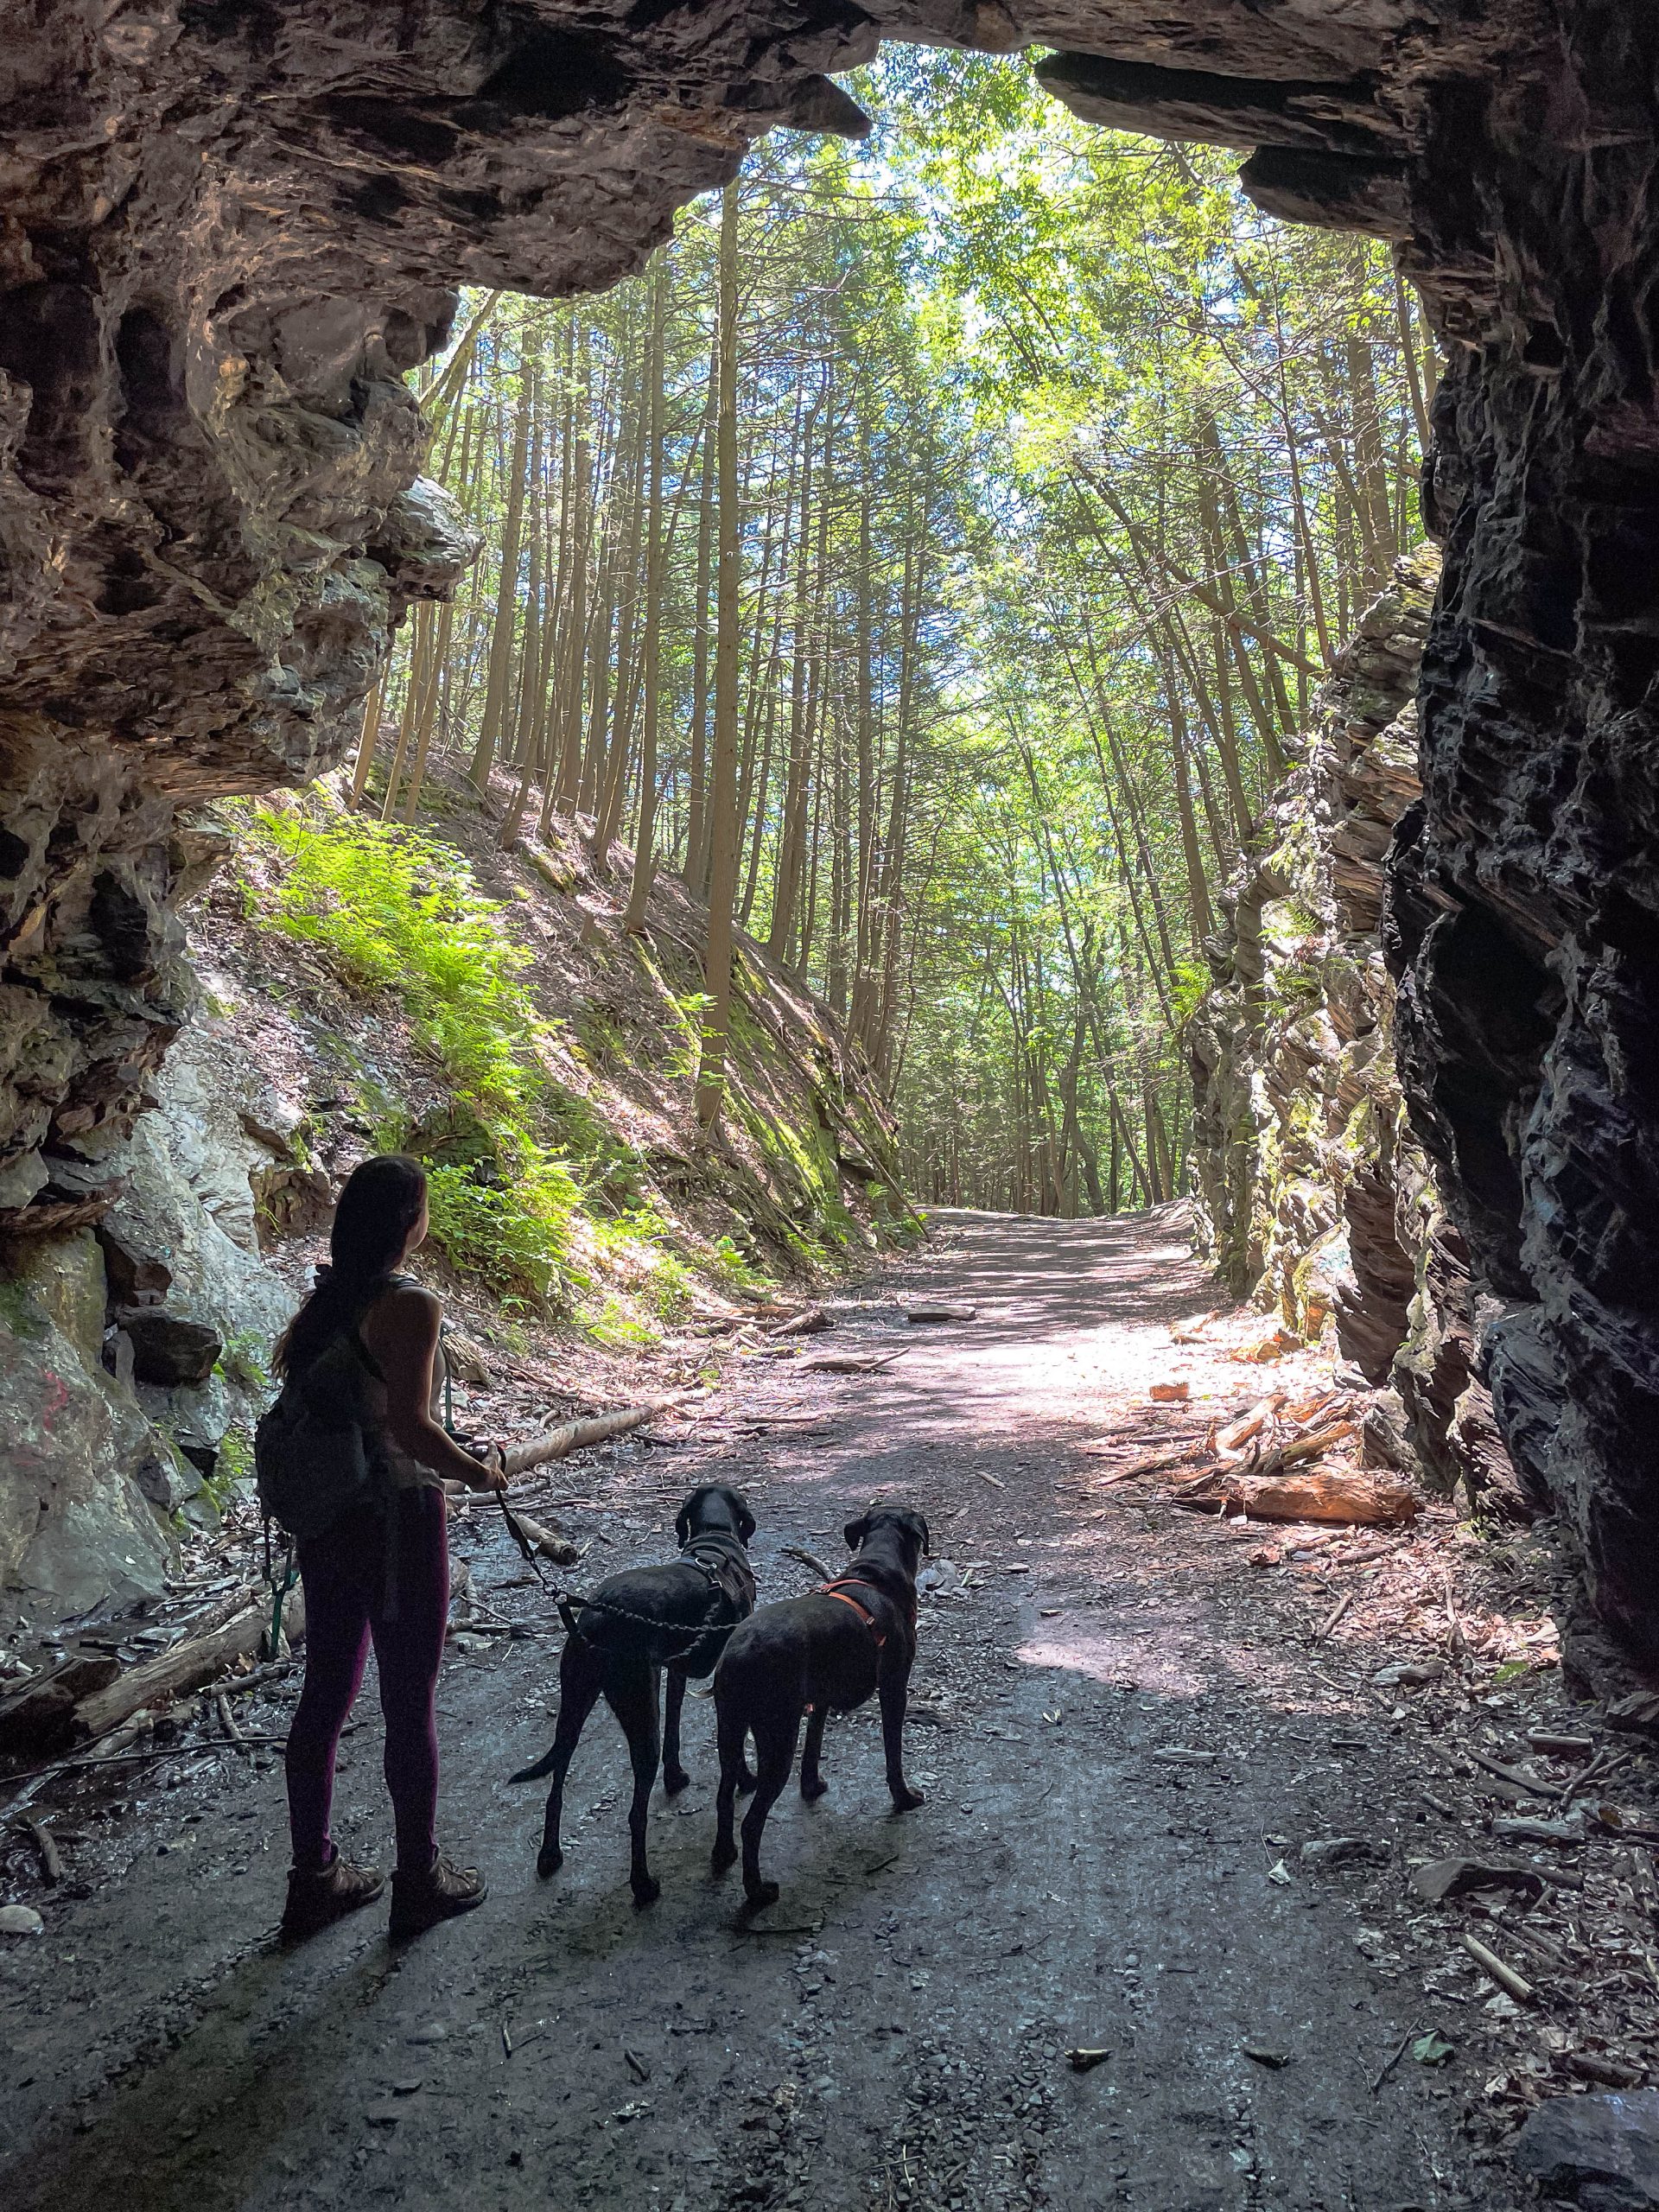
(1343, 1494)
(40, 1716)
(807, 1323)
(1311, 1446)
(576, 1435)
(556, 1548)
(186, 1667)
(921, 1316)
(1238, 1434)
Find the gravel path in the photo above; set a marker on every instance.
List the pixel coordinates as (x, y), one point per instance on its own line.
(894, 2031)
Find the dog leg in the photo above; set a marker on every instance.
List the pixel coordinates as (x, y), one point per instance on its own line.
(894, 1697)
(775, 1753)
(675, 1777)
(581, 1676)
(731, 1736)
(634, 1697)
(813, 1784)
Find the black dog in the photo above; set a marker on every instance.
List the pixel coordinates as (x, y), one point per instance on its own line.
(856, 1634)
(620, 1641)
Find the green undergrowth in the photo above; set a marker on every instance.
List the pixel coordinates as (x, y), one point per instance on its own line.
(533, 1193)
(390, 909)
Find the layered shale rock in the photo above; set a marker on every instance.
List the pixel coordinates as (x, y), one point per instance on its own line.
(1312, 1194)
(230, 230)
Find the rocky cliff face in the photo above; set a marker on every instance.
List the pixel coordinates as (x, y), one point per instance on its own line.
(230, 230)
(1312, 1195)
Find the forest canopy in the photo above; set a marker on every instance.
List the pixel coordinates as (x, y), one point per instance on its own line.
(933, 555)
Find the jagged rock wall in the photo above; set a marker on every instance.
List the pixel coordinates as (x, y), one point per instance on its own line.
(230, 229)
(1311, 1193)
(130, 1350)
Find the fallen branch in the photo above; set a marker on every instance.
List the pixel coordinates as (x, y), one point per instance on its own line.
(850, 1363)
(576, 1435)
(1512, 1984)
(227, 1722)
(557, 1549)
(186, 1667)
(809, 1322)
(1388, 2064)
(1347, 1496)
(1335, 1615)
(1312, 1446)
(46, 1844)
(808, 1560)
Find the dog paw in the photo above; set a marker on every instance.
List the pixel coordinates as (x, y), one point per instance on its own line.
(549, 1862)
(722, 1856)
(813, 1790)
(646, 1892)
(906, 1801)
(757, 1895)
(675, 1778)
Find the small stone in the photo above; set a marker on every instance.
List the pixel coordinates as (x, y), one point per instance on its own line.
(21, 1920)
(1345, 1850)
(434, 2032)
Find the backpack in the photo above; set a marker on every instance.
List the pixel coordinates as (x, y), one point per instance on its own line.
(316, 1453)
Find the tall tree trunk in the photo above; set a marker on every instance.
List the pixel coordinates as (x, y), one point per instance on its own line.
(723, 792)
(644, 852)
(501, 678)
(697, 818)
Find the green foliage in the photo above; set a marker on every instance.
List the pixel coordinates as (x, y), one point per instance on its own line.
(243, 1360)
(392, 909)
(513, 1237)
(737, 1271)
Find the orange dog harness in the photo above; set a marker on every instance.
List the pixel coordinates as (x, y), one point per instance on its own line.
(839, 1591)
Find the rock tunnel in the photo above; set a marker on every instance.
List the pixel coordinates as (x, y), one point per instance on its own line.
(233, 226)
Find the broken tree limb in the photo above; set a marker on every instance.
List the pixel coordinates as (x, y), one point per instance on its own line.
(576, 1435)
(186, 1667)
(1512, 1984)
(556, 1548)
(47, 1846)
(1238, 1433)
(920, 1316)
(227, 1721)
(809, 1322)
(850, 1363)
(1311, 1446)
(810, 1560)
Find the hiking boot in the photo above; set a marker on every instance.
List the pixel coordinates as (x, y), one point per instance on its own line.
(317, 1896)
(420, 1901)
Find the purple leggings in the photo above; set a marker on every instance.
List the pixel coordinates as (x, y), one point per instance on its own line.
(387, 1579)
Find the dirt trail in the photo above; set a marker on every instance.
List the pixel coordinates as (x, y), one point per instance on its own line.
(894, 2033)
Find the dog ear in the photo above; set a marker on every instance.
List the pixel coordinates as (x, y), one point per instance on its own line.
(683, 1525)
(855, 1531)
(745, 1518)
(927, 1541)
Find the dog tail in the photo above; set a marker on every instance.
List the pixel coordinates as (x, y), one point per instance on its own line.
(544, 1765)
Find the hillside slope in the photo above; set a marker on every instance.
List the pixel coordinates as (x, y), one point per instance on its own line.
(361, 987)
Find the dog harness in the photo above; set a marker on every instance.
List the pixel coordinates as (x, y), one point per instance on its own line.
(838, 1590)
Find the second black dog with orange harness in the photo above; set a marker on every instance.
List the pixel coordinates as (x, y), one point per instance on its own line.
(849, 1640)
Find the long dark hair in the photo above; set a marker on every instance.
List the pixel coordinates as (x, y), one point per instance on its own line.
(380, 1204)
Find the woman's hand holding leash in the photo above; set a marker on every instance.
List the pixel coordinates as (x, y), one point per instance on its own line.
(492, 1468)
